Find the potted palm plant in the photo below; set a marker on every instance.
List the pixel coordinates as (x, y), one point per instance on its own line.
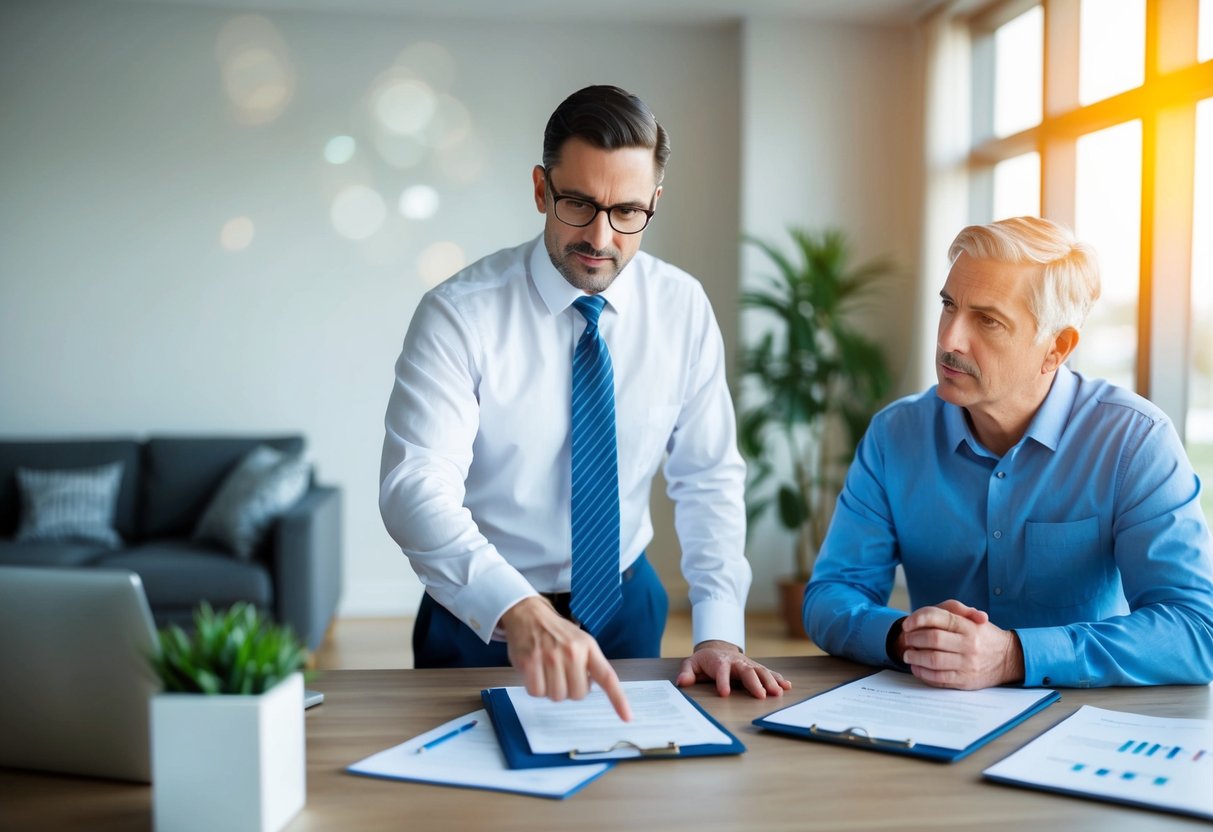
(227, 732)
(813, 380)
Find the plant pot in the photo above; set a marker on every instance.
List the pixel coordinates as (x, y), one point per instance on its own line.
(229, 762)
(790, 590)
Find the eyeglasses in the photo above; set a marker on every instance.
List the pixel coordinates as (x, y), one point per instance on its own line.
(578, 212)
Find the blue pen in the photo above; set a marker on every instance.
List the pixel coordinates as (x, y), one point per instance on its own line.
(447, 736)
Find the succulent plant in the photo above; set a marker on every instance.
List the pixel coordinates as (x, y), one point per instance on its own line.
(237, 651)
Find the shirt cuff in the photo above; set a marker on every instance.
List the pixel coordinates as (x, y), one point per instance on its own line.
(869, 641)
(718, 620)
(481, 603)
(1049, 659)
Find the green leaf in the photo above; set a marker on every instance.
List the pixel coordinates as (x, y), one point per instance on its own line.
(792, 508)
(239, 651)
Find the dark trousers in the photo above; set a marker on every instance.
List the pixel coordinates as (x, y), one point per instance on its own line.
(442, 640)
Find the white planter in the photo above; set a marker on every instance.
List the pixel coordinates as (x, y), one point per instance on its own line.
(230, 763)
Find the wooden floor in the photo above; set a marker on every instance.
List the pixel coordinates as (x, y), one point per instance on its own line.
(385, 643)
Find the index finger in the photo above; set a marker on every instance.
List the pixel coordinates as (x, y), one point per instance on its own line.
(601, 672)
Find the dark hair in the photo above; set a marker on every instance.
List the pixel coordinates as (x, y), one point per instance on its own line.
(608, 118)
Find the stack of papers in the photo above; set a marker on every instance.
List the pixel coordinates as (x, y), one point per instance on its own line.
(534, 746)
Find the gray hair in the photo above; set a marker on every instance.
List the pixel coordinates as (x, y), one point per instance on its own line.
(1069, 285)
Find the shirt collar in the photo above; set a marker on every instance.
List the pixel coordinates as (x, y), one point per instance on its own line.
(1050, 419)
(1045, 428)
(558, 294)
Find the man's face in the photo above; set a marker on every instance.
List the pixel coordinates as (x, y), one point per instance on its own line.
(592, 256)
(986, 356)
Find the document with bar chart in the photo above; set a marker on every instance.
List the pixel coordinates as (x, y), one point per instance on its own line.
(1156, 762)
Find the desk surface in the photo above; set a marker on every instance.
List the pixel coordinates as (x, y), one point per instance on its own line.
(779, 783)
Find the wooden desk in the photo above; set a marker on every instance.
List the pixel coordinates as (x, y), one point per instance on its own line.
(780, 783)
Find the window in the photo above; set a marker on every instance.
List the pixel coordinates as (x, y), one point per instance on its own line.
(1111, 48)
(1098, 114)
(1017, 186)
(1107, 214)
(1019, 67)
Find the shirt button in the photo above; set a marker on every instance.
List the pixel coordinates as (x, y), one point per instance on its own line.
(1002, 475)
(997, 535)
(998, 590)
(475, 624)
(1046, 681)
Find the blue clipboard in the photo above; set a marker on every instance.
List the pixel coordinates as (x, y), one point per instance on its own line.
(518, 754)
(855, 737)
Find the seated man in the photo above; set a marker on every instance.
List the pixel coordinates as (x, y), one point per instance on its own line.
(1049, 524)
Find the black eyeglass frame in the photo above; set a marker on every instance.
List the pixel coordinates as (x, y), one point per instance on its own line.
(598, 209)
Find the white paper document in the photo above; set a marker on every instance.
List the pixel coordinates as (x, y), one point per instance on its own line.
(1156, 762)
(660, 715)
(473, 759)
(898, 708)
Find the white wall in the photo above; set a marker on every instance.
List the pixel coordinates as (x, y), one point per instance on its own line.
(831, 131)
(122, 158)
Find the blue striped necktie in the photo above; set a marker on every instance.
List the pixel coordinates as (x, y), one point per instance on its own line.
(595, 505)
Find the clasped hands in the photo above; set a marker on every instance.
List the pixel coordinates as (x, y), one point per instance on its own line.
(953, 645)
(559, 660)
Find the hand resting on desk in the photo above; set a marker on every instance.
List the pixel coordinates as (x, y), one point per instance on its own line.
(722, 661)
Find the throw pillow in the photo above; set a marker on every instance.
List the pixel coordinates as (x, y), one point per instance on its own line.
(262, 486)
(70, 505)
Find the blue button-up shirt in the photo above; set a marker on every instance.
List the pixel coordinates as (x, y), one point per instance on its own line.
(1086, 537)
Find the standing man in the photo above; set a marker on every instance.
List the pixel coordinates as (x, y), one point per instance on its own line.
(1049, 524)
(536, 394)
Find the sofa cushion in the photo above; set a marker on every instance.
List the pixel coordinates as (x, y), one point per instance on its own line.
(179, 574)
(73, 453)
(262, 486)
(180, 474)
(69, 505)
(13, 553)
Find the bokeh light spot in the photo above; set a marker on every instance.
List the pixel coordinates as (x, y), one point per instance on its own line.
(236, 234)
(255, 67)
(404, 106)
(419, 202)
(357, 212)
(340, 149)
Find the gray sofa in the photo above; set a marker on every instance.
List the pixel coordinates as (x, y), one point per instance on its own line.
(167, 482)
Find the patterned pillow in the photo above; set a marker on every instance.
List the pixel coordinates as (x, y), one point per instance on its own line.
(262, 486)
(70, 505)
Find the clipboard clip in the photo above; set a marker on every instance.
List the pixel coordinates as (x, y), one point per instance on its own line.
(858, 734)
(668, 750)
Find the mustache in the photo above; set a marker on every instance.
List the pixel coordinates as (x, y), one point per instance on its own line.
(589, 251)
(950, 359)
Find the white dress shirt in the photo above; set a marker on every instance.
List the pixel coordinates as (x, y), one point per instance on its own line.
(475, 480)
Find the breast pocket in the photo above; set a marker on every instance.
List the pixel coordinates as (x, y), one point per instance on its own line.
(647, 445)
(1066, 565)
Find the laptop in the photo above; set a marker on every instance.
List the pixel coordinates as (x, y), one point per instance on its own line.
(75, 682)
